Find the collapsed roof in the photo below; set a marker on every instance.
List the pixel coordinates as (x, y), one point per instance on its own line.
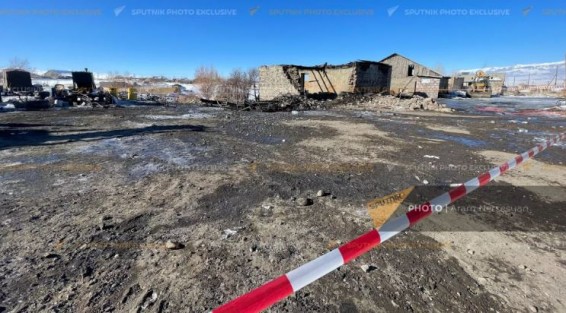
(330, 66)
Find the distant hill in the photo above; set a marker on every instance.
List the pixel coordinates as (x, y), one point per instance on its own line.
(57, 74)
(540, 73)
(62, 74)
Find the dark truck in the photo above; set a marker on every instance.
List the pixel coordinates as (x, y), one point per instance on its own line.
(19, 91)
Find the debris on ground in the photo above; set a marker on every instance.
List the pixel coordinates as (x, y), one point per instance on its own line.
(231, 232)
(188, 177)
(368, 267)
(304, 201)
(173, 245)
(389, 103)
(295, 103)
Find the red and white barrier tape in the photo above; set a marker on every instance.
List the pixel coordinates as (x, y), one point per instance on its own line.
(285, 285)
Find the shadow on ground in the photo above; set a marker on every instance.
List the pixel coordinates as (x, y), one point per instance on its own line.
(18, 134)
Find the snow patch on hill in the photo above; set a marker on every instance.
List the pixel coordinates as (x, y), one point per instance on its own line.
(540, 73)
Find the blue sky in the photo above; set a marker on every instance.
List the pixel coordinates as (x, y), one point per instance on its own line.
(454, 36)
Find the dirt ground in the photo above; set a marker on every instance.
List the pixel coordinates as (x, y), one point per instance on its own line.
(89, 198)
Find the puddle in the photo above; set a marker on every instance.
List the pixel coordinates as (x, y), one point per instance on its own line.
(516, 106)
(545, 136)
(186, 113)
(320, 113)
(474, 143)
(17, 160)
(265, 140)
(177, 152)
(180, 117)
(270, 140)
(518, 122)
(387, 118)
(142, 170)
(105, 147)
(147, 155)
(131, 124)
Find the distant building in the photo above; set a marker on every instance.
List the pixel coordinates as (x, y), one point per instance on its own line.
(452, 84)
(412, 78)
(323, 81)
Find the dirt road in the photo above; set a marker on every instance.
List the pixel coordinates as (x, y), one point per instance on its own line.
(90, 197)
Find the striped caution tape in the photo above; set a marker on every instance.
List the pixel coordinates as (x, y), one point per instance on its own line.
(285, 285)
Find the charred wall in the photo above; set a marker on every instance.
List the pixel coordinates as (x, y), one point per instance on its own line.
(372, 77)
(280, 80)
(329, 80)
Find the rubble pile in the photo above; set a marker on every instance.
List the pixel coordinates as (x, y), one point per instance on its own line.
(392, 103)
(349, 101)
(288, 103)
(281, 103)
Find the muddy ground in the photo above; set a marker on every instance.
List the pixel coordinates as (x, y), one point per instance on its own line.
(89, 197)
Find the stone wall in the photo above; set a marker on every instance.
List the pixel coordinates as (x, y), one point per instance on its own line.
(402, 82)
(273, 82)
(400, 67)
(497, 81)
(353, 77)
(428, 86)
(329, 80)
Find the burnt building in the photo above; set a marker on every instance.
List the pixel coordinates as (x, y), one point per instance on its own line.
(323, 81)
(411, 78)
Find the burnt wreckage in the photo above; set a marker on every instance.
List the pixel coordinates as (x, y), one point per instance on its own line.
(84, 91)
(19, 91)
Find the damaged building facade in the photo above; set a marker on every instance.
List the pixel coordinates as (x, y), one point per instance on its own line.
(395, 74)
(324, 81)
(411, 78)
